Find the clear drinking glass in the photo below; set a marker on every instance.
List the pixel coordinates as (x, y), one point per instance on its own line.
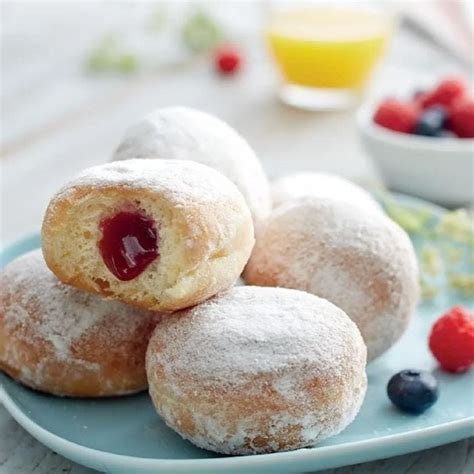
(327, 54)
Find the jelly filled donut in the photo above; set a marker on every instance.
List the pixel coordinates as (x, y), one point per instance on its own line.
(63, 341)
(359, 260)
(158, 234)
(256, 370)
(186, 134)
(320, 185)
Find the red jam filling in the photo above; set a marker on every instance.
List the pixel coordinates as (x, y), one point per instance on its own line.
(129, 244)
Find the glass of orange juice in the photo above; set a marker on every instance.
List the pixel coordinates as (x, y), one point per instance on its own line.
(327, 54)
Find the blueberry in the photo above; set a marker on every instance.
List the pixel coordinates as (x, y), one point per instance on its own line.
(431, 122)
(413, 391)
(443, 133)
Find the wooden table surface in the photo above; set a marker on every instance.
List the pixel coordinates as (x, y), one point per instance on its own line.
(56, 120)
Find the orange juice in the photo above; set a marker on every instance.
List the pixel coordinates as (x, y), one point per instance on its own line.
(328, 48)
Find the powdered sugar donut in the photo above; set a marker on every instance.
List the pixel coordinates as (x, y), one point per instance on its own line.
(186, 134)
(359, 260)
(321, 186)
(60, 340)
(257, 370)
(158, 234)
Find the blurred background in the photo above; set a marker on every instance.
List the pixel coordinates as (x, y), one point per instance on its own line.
(300, 82)
(75, 75)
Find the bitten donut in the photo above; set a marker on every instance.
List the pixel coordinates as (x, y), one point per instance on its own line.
(186, 134)
(257, 370)
(360, 260)
(158, 234)
(63, 341)
(320, 185)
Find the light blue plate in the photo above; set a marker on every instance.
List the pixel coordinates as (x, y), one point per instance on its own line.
(125, 435)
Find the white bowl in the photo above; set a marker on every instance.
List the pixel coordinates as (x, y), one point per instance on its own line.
(437, 169)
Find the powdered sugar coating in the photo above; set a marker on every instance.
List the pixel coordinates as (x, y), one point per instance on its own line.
(248, 331)
(320, 185)
(179, 181)
(62, 323)
(287, 367)
(360, 260)
(182, 133)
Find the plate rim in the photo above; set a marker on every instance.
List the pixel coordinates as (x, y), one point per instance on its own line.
(431, 436)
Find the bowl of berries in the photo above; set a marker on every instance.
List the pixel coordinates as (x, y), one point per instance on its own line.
(424, 145)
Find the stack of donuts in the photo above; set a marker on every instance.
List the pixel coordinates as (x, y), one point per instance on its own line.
(135, 286)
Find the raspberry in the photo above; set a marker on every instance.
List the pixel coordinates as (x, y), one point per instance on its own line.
(445, 93)
(227, 60)
(452, 340)
(461, 120)
(396, 115)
